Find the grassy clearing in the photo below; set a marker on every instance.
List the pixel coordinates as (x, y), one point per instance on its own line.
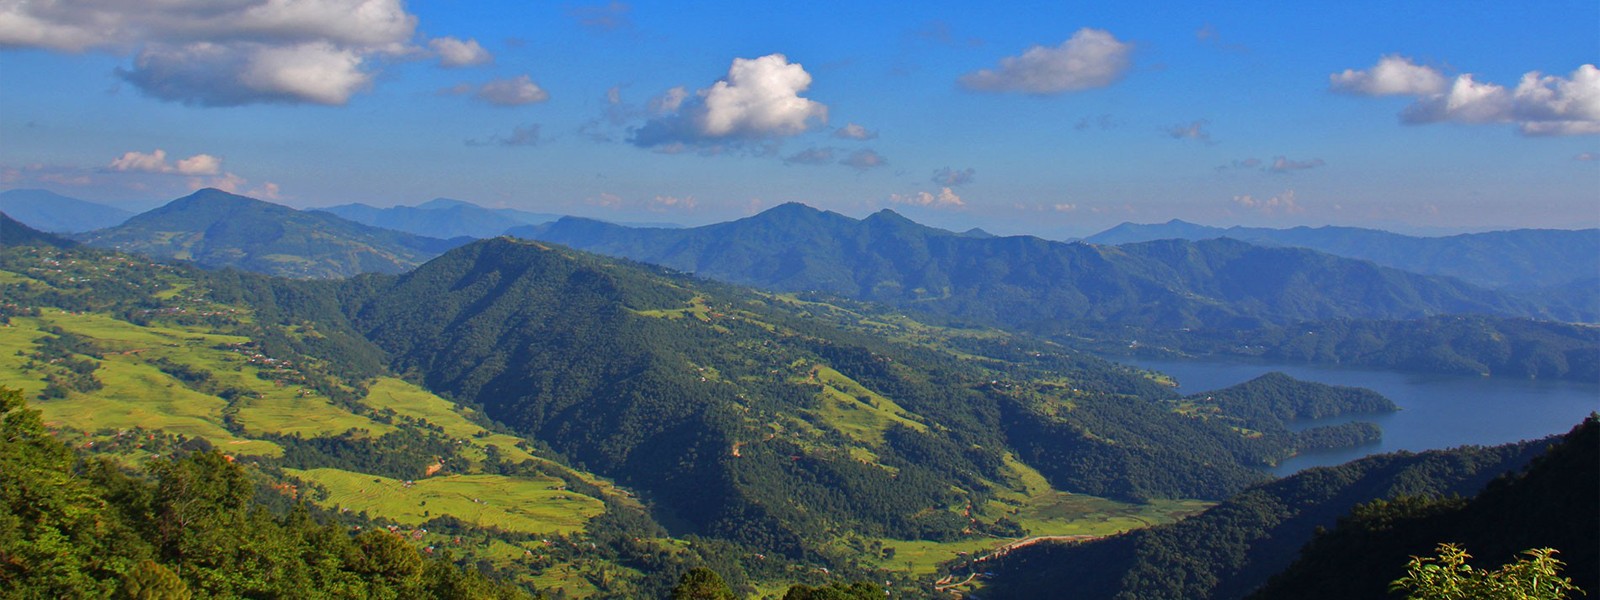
(139, 394)
(922, 557)
(285, 411)
(697, 308)
(530, 505)
(1043, 511)
(858, 412)
(409, 400)
(16, 342)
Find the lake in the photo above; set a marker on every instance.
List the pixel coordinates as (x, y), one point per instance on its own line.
(1436, 411)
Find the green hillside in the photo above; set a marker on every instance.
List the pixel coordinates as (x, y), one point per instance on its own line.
(768, 436)
(137, 362)
(1233, 548)
(831, 435)
(217, 229)
(1551, 504)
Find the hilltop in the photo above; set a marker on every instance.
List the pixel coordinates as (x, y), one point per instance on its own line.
(218, 229)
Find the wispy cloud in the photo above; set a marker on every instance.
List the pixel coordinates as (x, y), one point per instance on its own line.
(521, 135)
(811, 156)
(949, 177)
(1091, 58)
(454, 52)
(605, 18)
(1194, 130)
(1284, 165)
(863, 160)
(515, 91)
(853, 131)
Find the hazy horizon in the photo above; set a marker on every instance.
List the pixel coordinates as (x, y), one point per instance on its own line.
(1051, 121)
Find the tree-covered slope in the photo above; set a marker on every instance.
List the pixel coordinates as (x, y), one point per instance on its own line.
(185, 526)
(48, 211)
(1268, 404)
(15, 233)
(1037, 284)
(1233, 548)
(750, 418)
(218, 229)
(1554, 503)
(1522, 258)
(137, 361)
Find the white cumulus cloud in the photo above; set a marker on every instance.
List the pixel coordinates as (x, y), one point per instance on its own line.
(1467, 101)
(453, 52)
(1394, 75)
(225, 53)
(198, 171)
(156, 162)
(1540, 105)
(759, 99)
(1091, 58)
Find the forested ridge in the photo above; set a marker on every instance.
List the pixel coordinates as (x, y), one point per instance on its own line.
(1234, 548)
(1550, 504)
(678, 386)
(1044, 286)
(218, 229)
(1523, 258)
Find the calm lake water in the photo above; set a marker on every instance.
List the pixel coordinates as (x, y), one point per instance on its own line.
(1436, 411)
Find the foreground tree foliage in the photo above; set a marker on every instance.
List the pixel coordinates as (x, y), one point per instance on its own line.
(1536, 576)
(701, 583)
(185, 527)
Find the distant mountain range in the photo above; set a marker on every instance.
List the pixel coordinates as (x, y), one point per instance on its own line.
(1523, 257)
(218, 229)
(1039, 285)
(48, 211)
(441, 218)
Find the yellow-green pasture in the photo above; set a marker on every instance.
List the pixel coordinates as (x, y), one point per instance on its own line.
(530, 505)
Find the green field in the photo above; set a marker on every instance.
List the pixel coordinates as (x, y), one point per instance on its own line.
(409, 400)
(529, 505)
(1042, 511)
(844, 409)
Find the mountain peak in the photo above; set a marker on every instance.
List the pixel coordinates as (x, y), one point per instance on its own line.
(214, 197)
(444, 203)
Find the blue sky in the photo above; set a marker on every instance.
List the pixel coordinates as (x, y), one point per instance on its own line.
(1055, 119)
